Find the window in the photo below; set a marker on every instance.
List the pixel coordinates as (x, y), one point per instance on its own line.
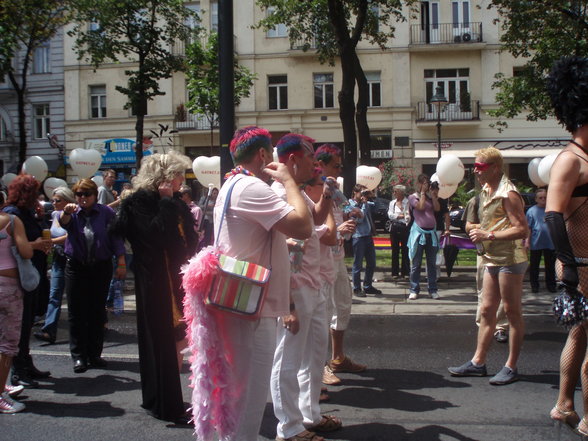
(3, 130)
(375, 11)
(278, 92)
(279, 30)
(214, 16)
(193, 21)
(454, 83)
(381, 145)
(41, 124)
(97, 101)
(41, 59)
(323, 91)
(375, 89)
(461, 14)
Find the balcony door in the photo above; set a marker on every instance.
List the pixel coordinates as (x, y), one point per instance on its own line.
(430, 28)
(460, 12)
(454, 84)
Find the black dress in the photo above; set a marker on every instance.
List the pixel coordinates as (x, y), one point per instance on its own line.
(161, 233)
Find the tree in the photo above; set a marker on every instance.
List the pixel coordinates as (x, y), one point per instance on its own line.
(335, 27)
(204, 80)
(140, 31)
(24, 26)
(540, 32)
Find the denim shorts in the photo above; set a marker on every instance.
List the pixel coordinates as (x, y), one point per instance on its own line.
(517, 268)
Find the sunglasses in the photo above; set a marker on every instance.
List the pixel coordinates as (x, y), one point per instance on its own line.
(339, 166)
(56, 201)
(83, 193)
(482, 166)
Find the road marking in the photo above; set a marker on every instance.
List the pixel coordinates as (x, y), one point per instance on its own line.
(68, 354)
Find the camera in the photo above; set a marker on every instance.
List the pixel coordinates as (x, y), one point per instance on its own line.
(434, 185)
(367, 194)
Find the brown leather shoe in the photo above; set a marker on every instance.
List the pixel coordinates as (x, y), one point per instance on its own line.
(329, 377)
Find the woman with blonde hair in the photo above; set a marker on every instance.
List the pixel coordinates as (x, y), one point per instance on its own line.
(160, 228)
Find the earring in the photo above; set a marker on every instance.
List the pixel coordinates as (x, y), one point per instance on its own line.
(295, 168)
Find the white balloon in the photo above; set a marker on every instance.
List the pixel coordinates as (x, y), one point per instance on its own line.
(207, 170)
(368, 176)
(447, 190)
(85, 162)
(434, 178)
(275, 153)
(98, 180)
(7, 179)
(341, 181)
(36, 167)
(51, 184)
(544, 168)
(533, 170)
(450, 169)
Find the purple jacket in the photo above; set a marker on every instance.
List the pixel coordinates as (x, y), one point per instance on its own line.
(106, 245)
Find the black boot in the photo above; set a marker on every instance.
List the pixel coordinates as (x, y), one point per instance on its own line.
(21, 377)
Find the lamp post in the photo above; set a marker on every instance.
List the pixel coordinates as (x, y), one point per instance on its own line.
(439, 100)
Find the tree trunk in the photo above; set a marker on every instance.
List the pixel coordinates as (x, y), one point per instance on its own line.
(363, 129)
(22, 133)
(347, 116)
(139, 128)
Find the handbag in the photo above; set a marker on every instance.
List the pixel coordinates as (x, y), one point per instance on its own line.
(28, 274)
(238, 287)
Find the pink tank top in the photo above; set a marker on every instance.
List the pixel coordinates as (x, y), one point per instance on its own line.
(7, 260)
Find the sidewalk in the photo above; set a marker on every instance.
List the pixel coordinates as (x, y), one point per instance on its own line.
(458, 296)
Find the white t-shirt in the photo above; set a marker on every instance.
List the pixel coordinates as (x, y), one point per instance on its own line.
(328, 271)
(308, 275)
(246, 231)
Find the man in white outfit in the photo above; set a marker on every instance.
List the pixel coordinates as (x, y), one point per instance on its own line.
(299, 357)
(254, 229)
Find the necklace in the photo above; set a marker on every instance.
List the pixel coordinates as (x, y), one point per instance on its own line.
(238, 170)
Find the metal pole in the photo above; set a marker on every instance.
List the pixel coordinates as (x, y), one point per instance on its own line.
(226, 100)
(438, 131)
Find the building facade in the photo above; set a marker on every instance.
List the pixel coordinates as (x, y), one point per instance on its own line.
(449, 46)
(44, 108)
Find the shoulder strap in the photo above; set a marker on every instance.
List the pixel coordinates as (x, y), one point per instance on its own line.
(225, 207)
(11, 225)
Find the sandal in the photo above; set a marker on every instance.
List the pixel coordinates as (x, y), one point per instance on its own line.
(303, 436)
(324, 397)
(329, 423)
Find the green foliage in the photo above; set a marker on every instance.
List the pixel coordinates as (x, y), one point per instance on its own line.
(204, 78)
(465, 191)
(395, 175)
(540, 32)
(142, 31)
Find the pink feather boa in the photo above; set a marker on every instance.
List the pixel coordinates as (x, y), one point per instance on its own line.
(213, 404)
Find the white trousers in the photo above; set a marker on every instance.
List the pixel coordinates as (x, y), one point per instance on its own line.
(297, 372)
(342, 298)
(250, 347)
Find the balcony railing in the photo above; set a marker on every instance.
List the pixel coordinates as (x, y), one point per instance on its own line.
(446, 33)
(301, 45)
(194, 122)
(179, 46)
(466, 111)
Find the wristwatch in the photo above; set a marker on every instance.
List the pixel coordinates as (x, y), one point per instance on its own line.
(491, 235)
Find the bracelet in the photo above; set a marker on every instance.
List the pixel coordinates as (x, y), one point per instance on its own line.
(292, 307)
(122, 265)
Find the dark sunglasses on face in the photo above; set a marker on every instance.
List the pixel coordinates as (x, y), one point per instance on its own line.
(83, 193)
(56, 201)
(482, 166)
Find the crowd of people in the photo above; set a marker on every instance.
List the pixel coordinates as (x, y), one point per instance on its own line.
(287, 215)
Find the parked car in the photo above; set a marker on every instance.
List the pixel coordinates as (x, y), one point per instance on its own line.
(381, 214)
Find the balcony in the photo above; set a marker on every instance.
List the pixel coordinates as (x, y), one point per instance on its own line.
(194, 122)
(446, 33)
(178, 47)
(452, 112)
(304, 46)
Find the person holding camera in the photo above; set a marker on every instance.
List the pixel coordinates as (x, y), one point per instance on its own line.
(363, 242)
(423, 236)
(399, 216)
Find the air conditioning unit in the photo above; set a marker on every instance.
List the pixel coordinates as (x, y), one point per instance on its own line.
(466, 37)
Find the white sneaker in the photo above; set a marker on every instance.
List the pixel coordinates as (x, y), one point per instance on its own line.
(13, 391)
(412, 296)
(434, 295)
(8, 405)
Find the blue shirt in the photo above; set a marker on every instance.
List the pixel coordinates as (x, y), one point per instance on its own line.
(363, 224)
(105, 245)
(540, 238)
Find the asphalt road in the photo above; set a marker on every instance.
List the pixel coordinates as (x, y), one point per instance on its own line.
(406, 394)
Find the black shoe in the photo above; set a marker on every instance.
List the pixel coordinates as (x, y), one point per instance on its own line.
(36, 373)
(80, 366)
(22, 378)
(184, 420)
(358, 293)
(97, 362)
(45, 336)
(372, 290)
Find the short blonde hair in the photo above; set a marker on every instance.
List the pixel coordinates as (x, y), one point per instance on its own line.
(160, 167)
(491, 155)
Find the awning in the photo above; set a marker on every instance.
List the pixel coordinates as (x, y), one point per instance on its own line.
(464, 154)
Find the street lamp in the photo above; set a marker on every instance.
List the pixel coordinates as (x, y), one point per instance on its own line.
(439, 100)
